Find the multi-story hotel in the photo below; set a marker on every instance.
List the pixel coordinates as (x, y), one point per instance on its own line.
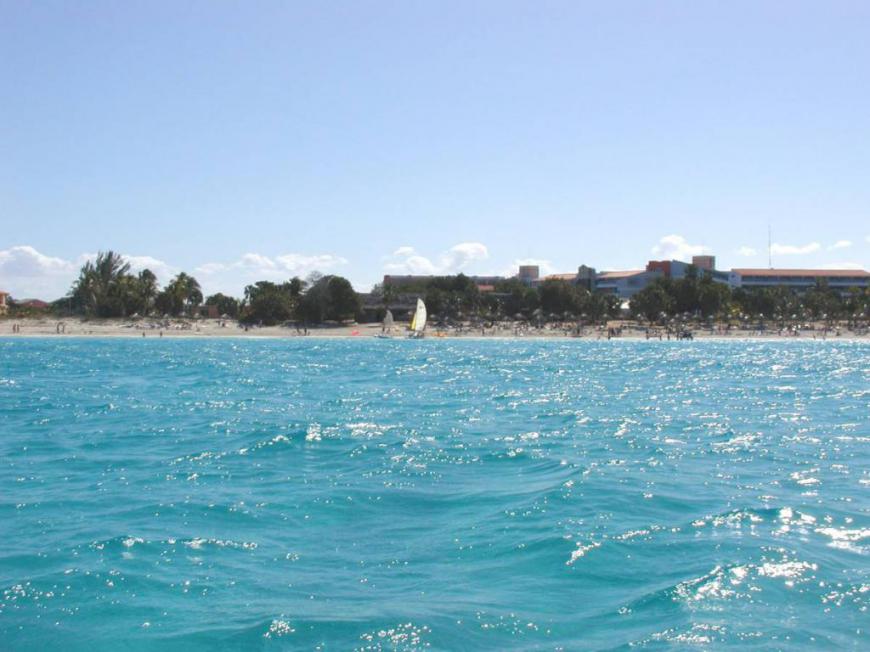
(627, 283)
(799, 279)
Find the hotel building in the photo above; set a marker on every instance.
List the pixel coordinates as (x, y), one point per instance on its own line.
(799, 279)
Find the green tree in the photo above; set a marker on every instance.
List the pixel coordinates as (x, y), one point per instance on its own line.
(821, 301)
(601, 306)
(269, 303)
(387, 293)
(102, 288)
(441, 302)
(519, 299)
(225, 305)
(147, 290)
(559, 297)
(329, 298)
(344, 303)
(652, 302)
(713, 298)
(181, 296)
(857, 304)
(755, 301)
(296, 287)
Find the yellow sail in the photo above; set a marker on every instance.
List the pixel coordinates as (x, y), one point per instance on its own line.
(418, 321)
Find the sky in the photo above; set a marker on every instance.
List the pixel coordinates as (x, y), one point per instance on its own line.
(262, 140)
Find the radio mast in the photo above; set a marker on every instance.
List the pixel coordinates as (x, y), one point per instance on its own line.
(769, 250)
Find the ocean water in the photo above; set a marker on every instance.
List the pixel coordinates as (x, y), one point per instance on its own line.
(446, 495)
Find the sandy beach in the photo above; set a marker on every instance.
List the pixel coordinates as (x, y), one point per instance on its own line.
(222, 328)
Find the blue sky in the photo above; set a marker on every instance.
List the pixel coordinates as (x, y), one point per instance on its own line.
(252, 140)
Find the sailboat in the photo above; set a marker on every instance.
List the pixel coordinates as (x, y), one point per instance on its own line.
(387, 327)
(418, 321)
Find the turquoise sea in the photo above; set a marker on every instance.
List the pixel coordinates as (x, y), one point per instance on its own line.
(314, 494)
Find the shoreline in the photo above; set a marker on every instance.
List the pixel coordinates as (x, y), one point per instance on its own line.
(212, 329)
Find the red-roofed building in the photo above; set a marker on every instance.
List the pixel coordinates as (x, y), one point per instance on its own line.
(799, 279)
(612, 276)
(35, 304)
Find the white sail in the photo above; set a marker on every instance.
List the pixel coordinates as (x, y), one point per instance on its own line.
(388, 319)
(418, 322)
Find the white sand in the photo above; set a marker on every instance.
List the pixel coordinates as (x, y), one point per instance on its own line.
(217, 328)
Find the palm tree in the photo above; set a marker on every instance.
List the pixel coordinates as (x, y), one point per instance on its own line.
(390, 295)
(182, 295)
(147, 290)
(100, 289)
(192, 293)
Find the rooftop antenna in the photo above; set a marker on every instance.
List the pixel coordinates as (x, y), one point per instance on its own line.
(769, 249)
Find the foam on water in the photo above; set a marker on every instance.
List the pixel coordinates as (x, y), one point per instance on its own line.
(393, 495)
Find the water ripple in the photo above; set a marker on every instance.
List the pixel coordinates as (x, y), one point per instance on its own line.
(397, 495)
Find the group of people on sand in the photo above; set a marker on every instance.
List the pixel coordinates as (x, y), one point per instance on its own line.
(616, 331)
(681, 334)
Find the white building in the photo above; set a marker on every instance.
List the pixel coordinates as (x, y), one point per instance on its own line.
(799, 279)
(626, 284)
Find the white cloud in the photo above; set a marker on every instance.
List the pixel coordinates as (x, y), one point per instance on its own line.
(232, 277)
(849, 265)
(676, 247)
(25, 261)
(25, 272)
(406, 260)
(211, 268)
(840, 244)
(296, 264)
(747, 252)
(280, 266)
(162, 270)
(794, 250)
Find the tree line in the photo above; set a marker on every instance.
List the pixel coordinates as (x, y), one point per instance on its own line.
(699, 296)
(106, 287)
(459, 297)
(696, 296)
(316, 300)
